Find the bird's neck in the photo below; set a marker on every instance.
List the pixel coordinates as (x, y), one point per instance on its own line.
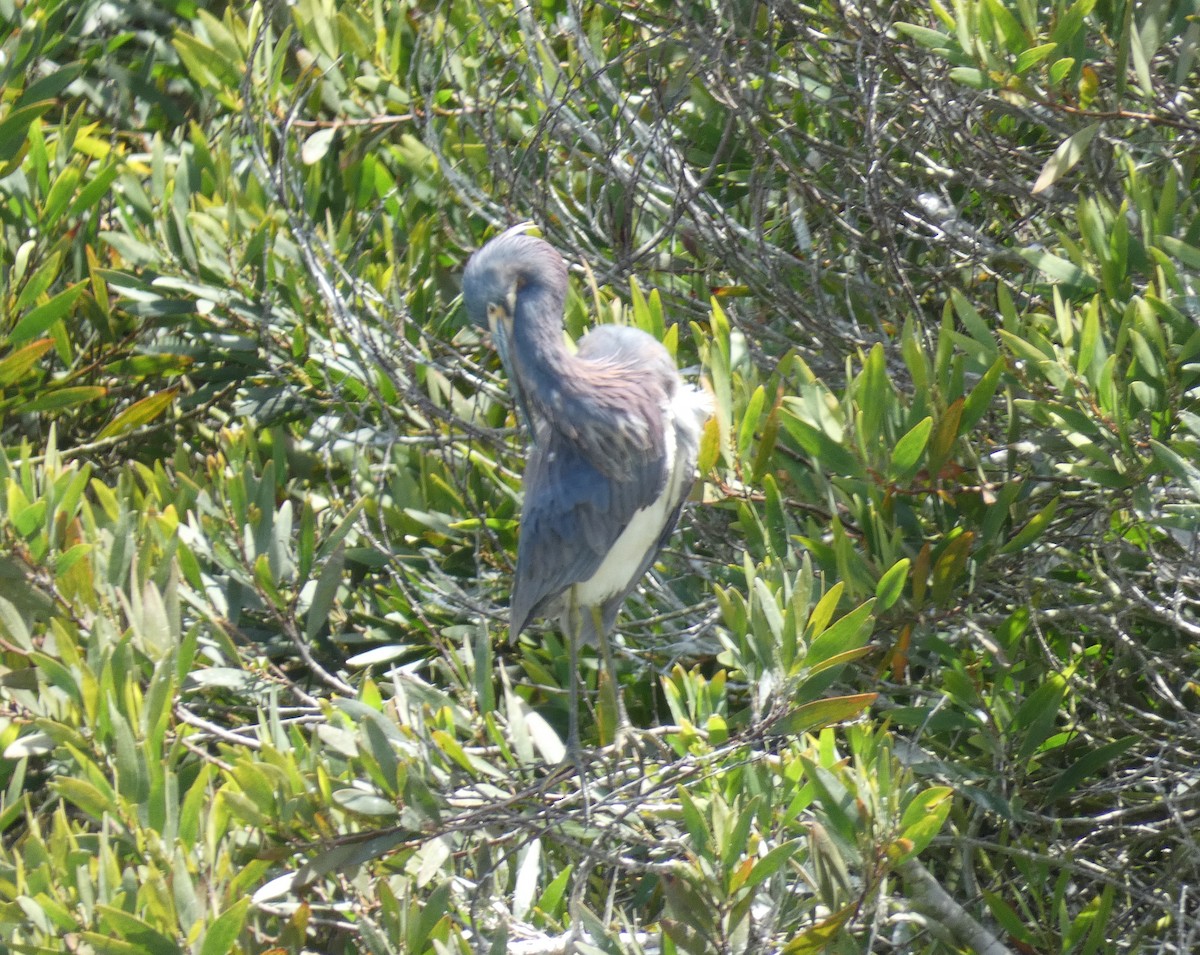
(610, 418)
(546, 364)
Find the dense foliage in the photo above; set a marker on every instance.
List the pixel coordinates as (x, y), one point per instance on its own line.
(919, 673)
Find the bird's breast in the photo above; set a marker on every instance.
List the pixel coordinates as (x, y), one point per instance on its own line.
(623, 562)
(642, 535)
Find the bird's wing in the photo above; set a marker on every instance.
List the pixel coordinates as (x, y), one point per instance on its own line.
(572, 516)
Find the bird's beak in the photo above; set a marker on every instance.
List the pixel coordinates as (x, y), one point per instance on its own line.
(500, 329)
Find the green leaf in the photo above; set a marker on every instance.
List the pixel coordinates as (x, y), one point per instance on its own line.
(1088, 766)
(324, 593)
(693, 819)
(916, 358)
(931, 39)
(59, 195)
(1189, 255)
(139, 413)
(1058, 269)
(1038, 715)
(14, 128)
(848, 633)
(46, 275)
(819, 446)
(750, 420)
(1008, 919)
(222, 38)
(979, 400)
(206, 66)
(452, 748)
(647, 313)
(1014, 36)
(776, 518)
(822, 936)
(190, 813)
(1177, 465)
(710, 445)
(891, 584)
(822, 613)
(970, 76)
(349, 855)
(1060, 68)
(1142, 49)
(772, 862)
(131, 774)
(946, 431)
(924, 817)
(130, 928)
(96, 189)
(338, 534)
(906, 457)
(949, 567)
(108, 945)
(973, 322)
(764, 456)
(39, 319)
(1066, 157)
(59, 398)
(1093, 922)
(47, 88)
(364, 803)
(820, 713)
(550, 901)
(484, 669)
(317, 146)
(69, 558)
(1027, 59)
(825, 666)
(872, 393)
(1032, 530)
(736, 841)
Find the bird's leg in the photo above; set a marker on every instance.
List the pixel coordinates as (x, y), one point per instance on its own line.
(624, 729)
(574, 625)
(574, 750)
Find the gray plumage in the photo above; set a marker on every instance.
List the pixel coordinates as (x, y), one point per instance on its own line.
(615, 437)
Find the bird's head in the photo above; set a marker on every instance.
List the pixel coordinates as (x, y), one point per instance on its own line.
(493, 282)
(496, 272)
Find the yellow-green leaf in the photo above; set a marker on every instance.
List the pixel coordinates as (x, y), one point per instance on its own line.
(891, 584)
(710, 446)
(944, 435)
(924, 817)
(819, 713)
(139, 413)
(14, 366)
(949, 567)
(1031, 531)
(63, 398)
(1068, 154)
(222, 934)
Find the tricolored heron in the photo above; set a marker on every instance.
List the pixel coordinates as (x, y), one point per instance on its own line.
(615, 431)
